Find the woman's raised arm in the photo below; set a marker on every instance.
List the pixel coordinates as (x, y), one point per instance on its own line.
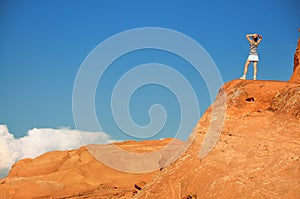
(248, 37)
(259, 39)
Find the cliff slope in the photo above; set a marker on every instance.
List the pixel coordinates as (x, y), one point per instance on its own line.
(78, 174)
(296, 71)
(256, 156)
(246, 145)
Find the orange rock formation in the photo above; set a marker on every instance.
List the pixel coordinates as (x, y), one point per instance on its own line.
(296, 74)
(257, 155)
(77, 174)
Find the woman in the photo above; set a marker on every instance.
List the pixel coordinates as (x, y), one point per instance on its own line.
(253, 56)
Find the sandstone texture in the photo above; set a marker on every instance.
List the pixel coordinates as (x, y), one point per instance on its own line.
(296, 72)
(78, 174)
(257, 154)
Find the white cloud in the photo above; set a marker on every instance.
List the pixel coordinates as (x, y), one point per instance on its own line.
(39, 141)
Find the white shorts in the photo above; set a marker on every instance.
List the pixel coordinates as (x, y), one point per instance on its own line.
(253, 57)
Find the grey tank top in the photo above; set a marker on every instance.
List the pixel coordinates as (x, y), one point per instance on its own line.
(253, 49)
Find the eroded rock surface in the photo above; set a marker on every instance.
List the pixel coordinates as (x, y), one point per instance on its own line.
(256, 156)
(78, 174)
(296, 71)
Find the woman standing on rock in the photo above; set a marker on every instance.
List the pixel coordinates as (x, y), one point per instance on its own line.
(253, 56)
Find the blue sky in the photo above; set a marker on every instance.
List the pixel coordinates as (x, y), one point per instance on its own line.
(43, 43)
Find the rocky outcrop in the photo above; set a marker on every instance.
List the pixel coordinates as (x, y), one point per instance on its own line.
(256, 155)
(287, 102)
(296, 72)
(255, 152)
(77, 174)
(252, 132)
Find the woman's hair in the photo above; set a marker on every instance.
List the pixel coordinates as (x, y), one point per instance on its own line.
(256, 38)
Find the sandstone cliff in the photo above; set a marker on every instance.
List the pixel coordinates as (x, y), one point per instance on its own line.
(256, 156)
(257, 153)
(77, 174)
(296, 71)
(253, 151)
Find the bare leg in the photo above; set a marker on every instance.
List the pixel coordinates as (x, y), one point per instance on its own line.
(255, 69)
(245, 69)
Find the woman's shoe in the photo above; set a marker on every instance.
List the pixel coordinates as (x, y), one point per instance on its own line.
(243, 77)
